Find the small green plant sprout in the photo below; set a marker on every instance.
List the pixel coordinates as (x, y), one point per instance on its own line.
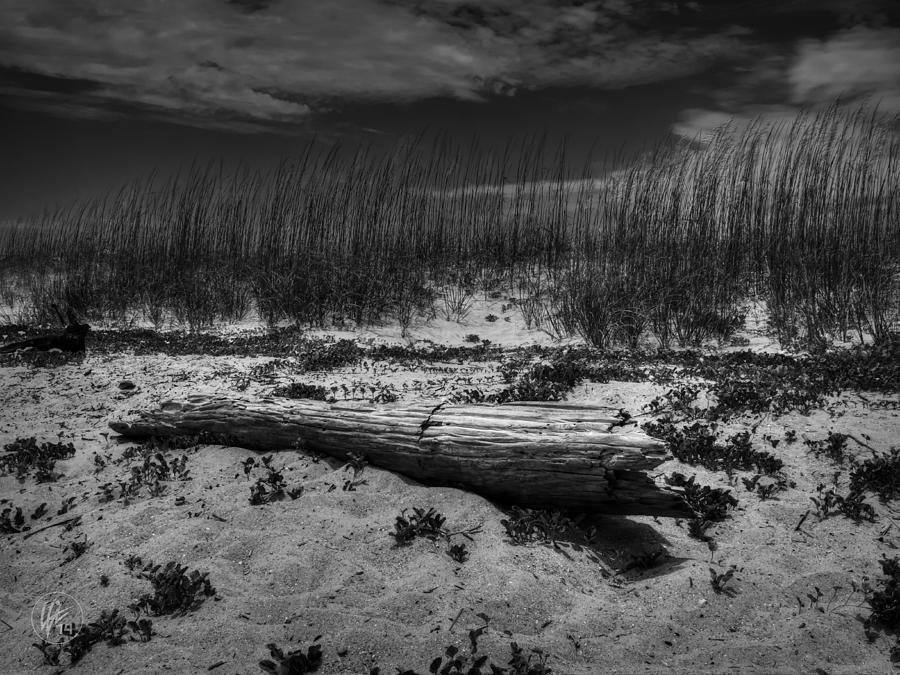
(357, 462)
(248, 465)
(269, 488)
(296, 662)
(175, 591)
(765, 488)
(834, 447)
(421, 523)
(719, 580)
(853, 506)
(458, 552)
(491, 318)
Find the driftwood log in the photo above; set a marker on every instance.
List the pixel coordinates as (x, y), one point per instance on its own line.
(546, 455)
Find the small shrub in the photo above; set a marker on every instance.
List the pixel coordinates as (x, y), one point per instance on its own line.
(834, 447)
(524, 526)
(175, 591)
(268, 489)
(422, 523)
(880, 475)
(885, 601)
(719, 581)
(853, 505)
(458, 552)
(710, 504)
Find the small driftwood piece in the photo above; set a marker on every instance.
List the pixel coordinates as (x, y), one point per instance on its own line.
(546, 455)
(70, 340)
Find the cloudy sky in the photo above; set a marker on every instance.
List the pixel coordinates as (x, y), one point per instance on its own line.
(95, 92)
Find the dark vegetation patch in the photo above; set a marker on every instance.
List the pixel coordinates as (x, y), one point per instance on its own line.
(429, 524)
(454, 661)
(271, 487)
(551, 528)
(25, 456)
(175, 592)
(885, 604)
(111, 628)
(451, 661)
(301, 390)
(154, 469)
(853, 505)
(296, 662)
(879, 475)
(697, 444)
(709, 503)
(12, 520)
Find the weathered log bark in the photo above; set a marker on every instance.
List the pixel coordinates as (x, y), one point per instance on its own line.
(544, 455)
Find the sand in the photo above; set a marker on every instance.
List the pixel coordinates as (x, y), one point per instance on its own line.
(324, 564)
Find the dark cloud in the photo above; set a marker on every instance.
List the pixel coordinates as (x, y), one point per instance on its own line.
(251, 6)
(276, 62)
(17, 78)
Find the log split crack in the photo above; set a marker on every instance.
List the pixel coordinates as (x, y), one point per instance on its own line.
(428, 423)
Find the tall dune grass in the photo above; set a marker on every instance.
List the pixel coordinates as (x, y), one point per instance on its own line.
(803, 216)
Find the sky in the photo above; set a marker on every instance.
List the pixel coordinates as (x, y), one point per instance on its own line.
(98, 92)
